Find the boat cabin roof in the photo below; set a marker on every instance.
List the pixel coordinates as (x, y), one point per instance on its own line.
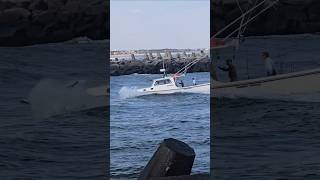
(164, 78)
(163, 81)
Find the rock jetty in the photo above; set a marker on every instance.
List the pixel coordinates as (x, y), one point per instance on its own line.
(125, 67)
(26, 22)
(286, 17)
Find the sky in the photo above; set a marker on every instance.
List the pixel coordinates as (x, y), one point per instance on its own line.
(157, 24)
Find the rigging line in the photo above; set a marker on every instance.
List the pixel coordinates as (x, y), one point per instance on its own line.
(240, 30)
(236, 20)
(242, 20)
(189, 65)
(262, 11)
(185, 68)
(239, 6)
(249, 16)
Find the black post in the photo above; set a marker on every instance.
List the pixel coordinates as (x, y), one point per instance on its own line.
(172, 158)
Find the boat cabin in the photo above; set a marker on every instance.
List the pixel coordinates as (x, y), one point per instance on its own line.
(165, 83)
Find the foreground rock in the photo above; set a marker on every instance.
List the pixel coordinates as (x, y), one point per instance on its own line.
(26, 22)
(154, 66)
(287, 17)
(173, 160)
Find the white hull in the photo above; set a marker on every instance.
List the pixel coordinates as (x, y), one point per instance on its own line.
(201, 88)
(303, 82)
(285, 84)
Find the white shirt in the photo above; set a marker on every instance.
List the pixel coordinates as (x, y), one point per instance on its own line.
(194, 82)
(269, 65)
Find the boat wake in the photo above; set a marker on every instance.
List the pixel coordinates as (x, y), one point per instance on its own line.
(52, 97)
(129, 92)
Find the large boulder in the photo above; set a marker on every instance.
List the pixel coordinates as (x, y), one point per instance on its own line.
(26, 22)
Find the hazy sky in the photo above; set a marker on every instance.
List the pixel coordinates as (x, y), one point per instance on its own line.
(154, 24)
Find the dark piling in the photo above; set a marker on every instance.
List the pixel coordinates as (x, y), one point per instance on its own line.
(173, 160)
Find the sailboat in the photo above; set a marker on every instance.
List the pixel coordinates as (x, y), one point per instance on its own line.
(282, 84)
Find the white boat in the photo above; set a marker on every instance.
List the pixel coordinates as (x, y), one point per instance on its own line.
(167, 85)
(284, 84)
(295, 83)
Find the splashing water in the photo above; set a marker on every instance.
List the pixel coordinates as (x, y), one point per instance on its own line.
(129, 92)
(52, 97)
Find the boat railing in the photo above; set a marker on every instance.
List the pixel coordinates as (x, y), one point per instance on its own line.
(285, 67)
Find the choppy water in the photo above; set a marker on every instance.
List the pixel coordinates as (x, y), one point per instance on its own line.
(140, 123)
(252, 138)
(269, 138)
(63, 135)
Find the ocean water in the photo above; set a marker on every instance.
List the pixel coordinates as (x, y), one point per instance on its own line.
(138, 124)
(63, 133)
(268, 138)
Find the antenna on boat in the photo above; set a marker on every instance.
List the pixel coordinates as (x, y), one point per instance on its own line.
(163, 69)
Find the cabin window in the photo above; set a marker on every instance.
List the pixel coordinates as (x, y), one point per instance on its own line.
(162, 82)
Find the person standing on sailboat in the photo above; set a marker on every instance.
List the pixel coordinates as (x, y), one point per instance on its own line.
(231, 69)
(269, 65)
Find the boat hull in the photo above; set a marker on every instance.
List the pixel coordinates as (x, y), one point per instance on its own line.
(302, 82)
(201, 88)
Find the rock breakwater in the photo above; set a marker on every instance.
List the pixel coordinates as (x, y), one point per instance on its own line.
(26, 22)
(126, 67)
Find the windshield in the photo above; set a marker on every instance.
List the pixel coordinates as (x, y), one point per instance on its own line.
(162, 82)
